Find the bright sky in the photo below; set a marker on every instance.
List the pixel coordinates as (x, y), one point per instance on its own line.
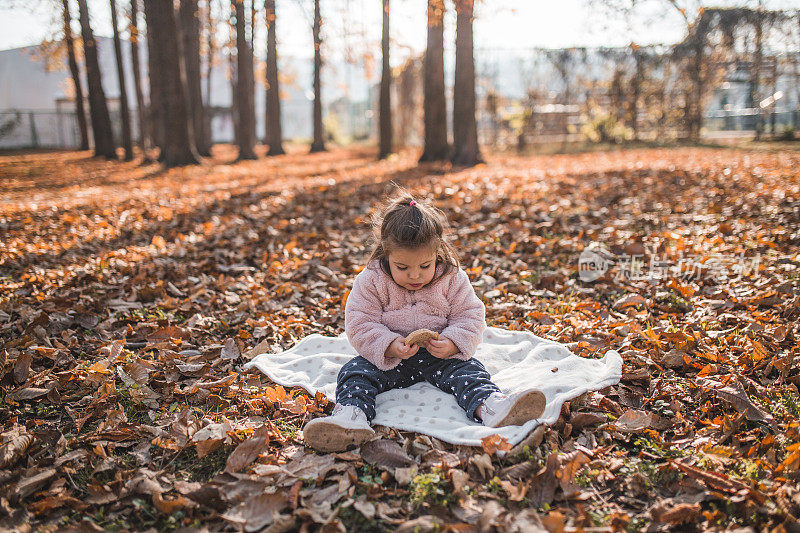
(356, 24)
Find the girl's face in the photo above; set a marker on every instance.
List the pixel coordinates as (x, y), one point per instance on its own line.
(412, 269)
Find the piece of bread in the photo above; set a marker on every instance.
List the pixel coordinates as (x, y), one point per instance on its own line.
(420, 337)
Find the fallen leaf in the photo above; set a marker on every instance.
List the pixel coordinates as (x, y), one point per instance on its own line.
(230, 351)
(13, 445)
(258, 512)
(249, 450)
(169, 506)
(629, 300)
(22, 367)
(385, 453)
(633, 420)
(491, 444)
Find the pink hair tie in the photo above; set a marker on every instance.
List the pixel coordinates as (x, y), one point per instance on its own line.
(411, 203)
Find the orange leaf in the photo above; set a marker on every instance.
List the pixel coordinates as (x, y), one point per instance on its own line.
(275, 394)
(759, 352)
(169, 506)
(493, 443)
(685, 290)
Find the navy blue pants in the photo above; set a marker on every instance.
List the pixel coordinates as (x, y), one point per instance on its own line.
(359, 381)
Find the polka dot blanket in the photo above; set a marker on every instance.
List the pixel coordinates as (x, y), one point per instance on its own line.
(517, 360)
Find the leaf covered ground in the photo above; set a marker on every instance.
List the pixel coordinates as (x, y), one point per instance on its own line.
(130, 296)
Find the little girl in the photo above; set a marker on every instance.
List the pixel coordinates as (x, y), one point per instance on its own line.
(413, 281)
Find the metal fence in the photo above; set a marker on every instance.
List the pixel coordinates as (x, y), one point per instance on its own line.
(24, 129)
(344, 122)
(744, 120)
(39, 129)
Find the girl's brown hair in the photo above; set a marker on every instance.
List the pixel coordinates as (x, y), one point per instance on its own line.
(402, 225)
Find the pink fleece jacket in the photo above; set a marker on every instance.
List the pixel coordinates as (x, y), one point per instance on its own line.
(378, 311)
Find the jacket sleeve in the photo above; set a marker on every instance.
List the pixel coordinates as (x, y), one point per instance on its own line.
(362, 325)
(467, 319)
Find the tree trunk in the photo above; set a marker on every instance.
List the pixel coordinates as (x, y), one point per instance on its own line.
(156, 109)
(144, 122)
(80, 113)
(617, 94)
(124, 112)
(796, 113)
(98, 107)
(435, 110)
(698, 88)
(773, 116)
(190, 31)
(274, 132)
(209, 69)
(385, 103)
(178, 141)
(318, 144)
(756, 75)
(465, 129)
(252, 43)
(244, 85)
(636, 91)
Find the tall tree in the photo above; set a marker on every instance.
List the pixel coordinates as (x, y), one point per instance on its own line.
(98, 107)
(695, 51)
(636, 89)
(190, 31)
(796, 115)
(245, 85)
(318, 144)
(144, 122)
(210, 45)
(173, 112)
(80, 113)
(434, 103)
(274, 131)
(755, 74)
(156, 108)
(231, 45)
(465, 129)
(125, 114)
(385, 104)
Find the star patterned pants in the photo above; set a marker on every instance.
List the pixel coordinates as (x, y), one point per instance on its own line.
(359, 381)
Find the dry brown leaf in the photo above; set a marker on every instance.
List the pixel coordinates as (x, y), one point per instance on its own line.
(22, 367)
(544, 484)
(28, 393)
(13, 445)
(32, 483)
(633, 420)
(571, 464)
(483, 463)
(230, 351)
(258, 512)
(51, 503)
(249, 450)
(385, 453)
(170, 332)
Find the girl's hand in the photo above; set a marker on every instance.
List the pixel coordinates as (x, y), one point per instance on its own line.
(400, 350)
(443, 348)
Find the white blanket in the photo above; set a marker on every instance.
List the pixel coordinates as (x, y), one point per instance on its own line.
(517, 360)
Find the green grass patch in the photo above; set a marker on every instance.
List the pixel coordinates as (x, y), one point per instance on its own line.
(432, 488)
(287, 429)
(202, 468)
